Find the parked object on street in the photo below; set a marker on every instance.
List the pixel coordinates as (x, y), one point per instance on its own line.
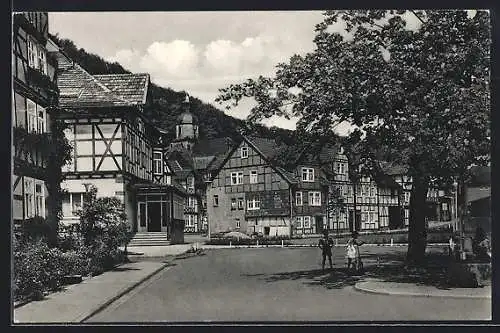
(237, 235)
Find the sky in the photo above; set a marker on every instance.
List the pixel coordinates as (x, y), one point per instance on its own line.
(199, 52)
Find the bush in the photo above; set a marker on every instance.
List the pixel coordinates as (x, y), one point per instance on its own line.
(34, 228)
(37, 269)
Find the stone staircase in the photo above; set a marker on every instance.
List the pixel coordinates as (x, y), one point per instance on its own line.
(149, 239)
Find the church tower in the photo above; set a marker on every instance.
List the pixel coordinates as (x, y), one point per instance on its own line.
(186, 130)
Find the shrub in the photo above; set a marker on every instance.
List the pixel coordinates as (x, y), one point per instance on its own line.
(36, 269)
(104, 228)
(34, 228)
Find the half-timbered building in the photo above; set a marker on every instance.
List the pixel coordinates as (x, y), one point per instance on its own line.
(34, 101)
(116, 148)
(250, 193)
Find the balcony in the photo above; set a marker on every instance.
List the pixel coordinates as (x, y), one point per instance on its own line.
(37, 80)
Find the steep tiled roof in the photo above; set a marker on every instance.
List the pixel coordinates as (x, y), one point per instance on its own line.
(328, 153)
(212, 147)
(393, 169)
(202, 162)
(78, 88)
(130, 87)
(290, 177)
(269, 147)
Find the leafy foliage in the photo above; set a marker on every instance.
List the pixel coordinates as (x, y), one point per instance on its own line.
(37, 269)
(103, 217)
(420, 94)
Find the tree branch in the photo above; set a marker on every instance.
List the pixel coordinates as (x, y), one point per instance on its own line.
(416, 15)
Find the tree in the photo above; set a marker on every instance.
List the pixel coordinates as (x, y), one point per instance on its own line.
(421, 94)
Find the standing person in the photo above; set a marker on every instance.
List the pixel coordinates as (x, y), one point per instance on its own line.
(326, 244)
(451, 247)
(352, 249)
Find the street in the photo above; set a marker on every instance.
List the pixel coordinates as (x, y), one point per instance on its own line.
(275, 284)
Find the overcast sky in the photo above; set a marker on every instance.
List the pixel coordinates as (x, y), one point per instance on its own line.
(199, 52)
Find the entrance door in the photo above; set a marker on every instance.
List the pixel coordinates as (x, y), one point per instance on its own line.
(154, 216)
(319, 224)
(354, 225)
(395, 217)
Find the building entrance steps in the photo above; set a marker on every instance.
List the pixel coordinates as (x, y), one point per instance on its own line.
(149, 239)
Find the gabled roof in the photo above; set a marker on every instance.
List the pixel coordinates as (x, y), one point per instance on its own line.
(79, 89)
(290, 177)
(392, 169)
(202, 162)
(130, 87)
(268, 147)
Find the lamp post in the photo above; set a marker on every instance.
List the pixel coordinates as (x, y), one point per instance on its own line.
(208, 181)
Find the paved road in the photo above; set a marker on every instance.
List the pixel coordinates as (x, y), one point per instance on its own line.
(273, 284)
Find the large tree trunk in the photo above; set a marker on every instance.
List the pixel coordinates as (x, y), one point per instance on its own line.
(417, 234)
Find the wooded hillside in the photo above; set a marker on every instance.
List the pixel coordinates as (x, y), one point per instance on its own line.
(166, 102)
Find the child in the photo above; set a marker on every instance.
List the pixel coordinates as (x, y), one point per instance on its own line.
(352, 249)
(326, 244)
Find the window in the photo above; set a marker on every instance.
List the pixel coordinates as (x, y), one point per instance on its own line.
(157, 162)
(298, 198)
(238, 223)
(253, 177)
(314, 198)
(253, 204)
(233, 203)
(39, 199)
(236, 178)
(240, 203)
(32, 116)
(190, 183)
(191, 202)
(216, 200)
(28, 197)
(340, 168)
(244, 152)
(299, 224)
(76, 202)
(407, 196)
(34, 198)
(42, 62)
(32, 54)
(41, 119)
(190, 221)
(445, 206)
(307, 174)
(307, 222)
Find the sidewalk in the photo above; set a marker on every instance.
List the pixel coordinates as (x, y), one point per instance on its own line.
(411, 289)
(80, 301)
(157, 251)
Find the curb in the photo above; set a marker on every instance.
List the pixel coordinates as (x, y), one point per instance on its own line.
(397, 293)
(208, 247)
(122, 292)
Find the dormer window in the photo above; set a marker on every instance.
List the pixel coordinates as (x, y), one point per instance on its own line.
(244, 152)
(307, 174)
